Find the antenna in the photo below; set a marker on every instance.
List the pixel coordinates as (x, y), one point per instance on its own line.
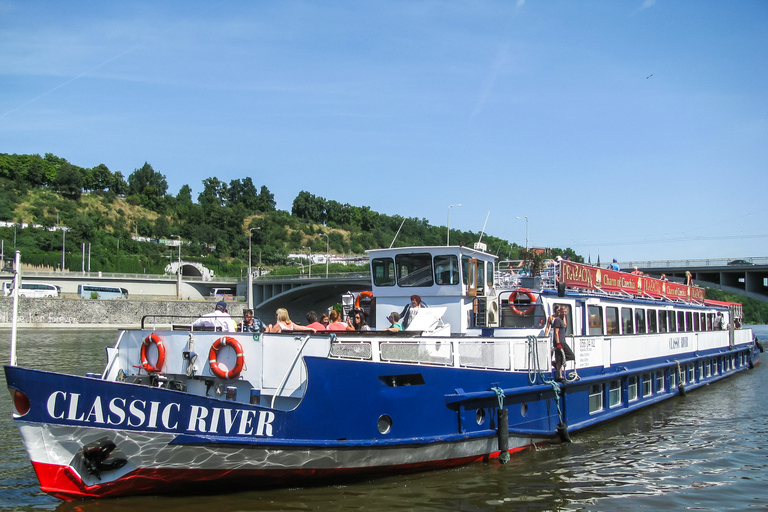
(398, 232)
(483, 231)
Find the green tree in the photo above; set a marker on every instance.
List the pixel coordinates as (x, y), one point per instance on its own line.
(149, 185)
(69, 181)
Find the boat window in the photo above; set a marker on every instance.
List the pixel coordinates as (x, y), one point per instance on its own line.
(659, 381)
(689, 321)
(446, 270)
(647, 384)
(681, 321)
(696, 323)
(611, 320)
(489, 275)
(595, 320)
(614, 393)
(414, 270)
(663, 321)
(673, 378)
(595, 398)
(632, 388)
(653, 325)
(640, 321)
(465, 269)
(568, 317)
(383, 270)
(480, 277)
(627, 326)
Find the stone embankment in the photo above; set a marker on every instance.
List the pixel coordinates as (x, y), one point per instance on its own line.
(86, 313)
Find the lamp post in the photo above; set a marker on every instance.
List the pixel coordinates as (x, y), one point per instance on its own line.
(250, 243)
(526, 231)
(327, 253)
(178, 265)
(448, 225)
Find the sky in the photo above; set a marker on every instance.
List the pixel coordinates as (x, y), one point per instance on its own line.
(635, 129)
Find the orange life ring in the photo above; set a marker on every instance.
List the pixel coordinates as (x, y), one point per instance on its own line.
(513, 298)
(215, 368)
(364, 293)
(149, 340)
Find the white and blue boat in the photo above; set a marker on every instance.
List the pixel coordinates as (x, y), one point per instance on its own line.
(471, 379)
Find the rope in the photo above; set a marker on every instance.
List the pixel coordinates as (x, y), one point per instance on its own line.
(504, 455)
(536, 374)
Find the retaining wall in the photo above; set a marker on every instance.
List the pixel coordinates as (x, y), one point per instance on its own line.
(79, 313)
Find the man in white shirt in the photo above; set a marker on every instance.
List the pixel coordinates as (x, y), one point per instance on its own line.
(219, 319)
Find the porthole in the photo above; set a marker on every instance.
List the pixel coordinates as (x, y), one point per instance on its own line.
(480, 416)
(384, 424)
(523, 409)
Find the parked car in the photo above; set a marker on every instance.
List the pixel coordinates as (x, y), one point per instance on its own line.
(740, 262)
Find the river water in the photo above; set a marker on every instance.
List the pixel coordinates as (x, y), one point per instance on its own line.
(705, 451)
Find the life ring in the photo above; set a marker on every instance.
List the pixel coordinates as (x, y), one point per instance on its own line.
(149, 340)
(364, 293)
(513, 298)
(215, 368)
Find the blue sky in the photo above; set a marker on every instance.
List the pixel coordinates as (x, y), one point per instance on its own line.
(629, 129)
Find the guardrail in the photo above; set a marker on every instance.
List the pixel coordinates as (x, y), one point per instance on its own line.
(709, 262)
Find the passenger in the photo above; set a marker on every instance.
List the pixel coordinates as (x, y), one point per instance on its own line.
(563, 352)
(615, 265)
(284, 323)
(410, 310)
(664, 277)
(250, 323)
(636, 272)
(313, 323)
(219, 319)
(325, 320)
(551, 318)
(336, 323)
(688, 278)
(356, 322)
(394, 319)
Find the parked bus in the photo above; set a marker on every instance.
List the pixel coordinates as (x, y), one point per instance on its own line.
(33, 289)
(87, 291)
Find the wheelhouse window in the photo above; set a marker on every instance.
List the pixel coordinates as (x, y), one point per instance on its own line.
(383, 270)
(653, 324)
(611, 320)
(640, 321)
(446, 270)
(627, 327)
(595, 398)
(465, 269)
(614, 393)
(595, 320)
(414, 270)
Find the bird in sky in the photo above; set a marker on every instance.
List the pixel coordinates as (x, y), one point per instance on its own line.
(649, 76)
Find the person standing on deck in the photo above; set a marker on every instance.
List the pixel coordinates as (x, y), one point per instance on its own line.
(563, 352)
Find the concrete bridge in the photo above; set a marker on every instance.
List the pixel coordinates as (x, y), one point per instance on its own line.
(747, 276)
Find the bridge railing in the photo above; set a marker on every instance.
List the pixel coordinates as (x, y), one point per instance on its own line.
(709, 262)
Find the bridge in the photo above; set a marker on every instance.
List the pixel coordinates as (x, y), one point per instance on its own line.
(747, 277)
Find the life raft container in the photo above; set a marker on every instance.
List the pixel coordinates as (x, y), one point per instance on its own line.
(153, 339)
(215, 368)
(364, 293)
(513, 298)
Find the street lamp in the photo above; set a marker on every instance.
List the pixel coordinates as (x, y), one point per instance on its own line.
(526, 231)
(448, 225)
(327, 253)
(250, 242)
(178, 265)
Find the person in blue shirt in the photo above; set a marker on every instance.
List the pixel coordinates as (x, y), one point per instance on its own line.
(614, 266)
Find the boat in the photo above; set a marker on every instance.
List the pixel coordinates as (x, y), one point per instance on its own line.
(181, 410)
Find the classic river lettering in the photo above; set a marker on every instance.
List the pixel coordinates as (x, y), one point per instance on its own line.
(156, 415)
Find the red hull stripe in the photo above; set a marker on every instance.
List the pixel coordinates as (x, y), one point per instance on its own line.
(63, 483)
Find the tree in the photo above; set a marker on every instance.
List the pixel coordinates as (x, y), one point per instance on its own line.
(309, 207)
(119, 185)
(265, 202)
(102, 177)
(149, 185)
(69, 182)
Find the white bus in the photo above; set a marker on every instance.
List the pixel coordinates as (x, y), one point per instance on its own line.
(33, 289)
(95, 291)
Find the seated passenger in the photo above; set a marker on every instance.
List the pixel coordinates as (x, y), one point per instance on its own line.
(251, 323)
(356, 321)
(394, 319)
(336, 323)
(219, 319)
(284, 323)
(313, 323)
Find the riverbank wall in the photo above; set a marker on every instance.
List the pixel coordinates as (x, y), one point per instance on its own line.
(86, 313)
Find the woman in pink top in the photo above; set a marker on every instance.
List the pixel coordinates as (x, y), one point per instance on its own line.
(336, 323)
